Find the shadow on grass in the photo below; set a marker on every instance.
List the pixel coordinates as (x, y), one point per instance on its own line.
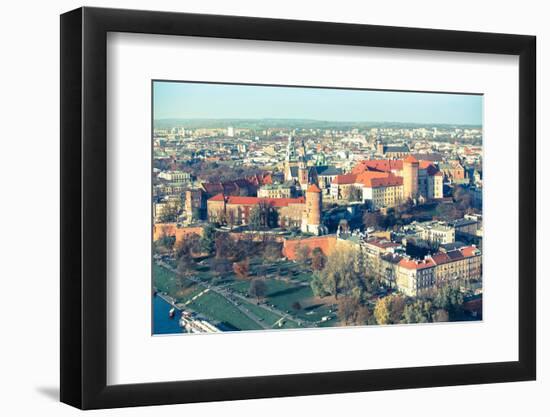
(226, 327)
(286, 291)
(313, 307)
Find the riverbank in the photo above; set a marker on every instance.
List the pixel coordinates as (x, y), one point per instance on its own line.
(162, 323)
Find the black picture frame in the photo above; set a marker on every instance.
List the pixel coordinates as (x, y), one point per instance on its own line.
(84, 207)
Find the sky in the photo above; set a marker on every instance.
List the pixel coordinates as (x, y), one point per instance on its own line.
(186, 100)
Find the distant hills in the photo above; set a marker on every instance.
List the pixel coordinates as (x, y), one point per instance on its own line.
(293, 124)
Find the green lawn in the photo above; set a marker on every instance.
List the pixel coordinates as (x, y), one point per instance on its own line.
(280, 294)
(179, 288)
(216, 307)
(283, 295)
(210, 305)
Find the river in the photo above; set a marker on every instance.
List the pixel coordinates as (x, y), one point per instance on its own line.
(162, 323)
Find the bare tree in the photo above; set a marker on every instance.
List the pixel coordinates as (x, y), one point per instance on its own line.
(318, 260)
(352, 312)
(241, 269)
(302, 253)
(258, 288)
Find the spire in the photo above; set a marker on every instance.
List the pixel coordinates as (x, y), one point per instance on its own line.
(290, 151)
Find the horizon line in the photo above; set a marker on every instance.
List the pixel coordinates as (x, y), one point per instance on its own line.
(315, 120)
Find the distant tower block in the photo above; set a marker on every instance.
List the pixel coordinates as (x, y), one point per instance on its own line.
(311, 223)
(410, 177)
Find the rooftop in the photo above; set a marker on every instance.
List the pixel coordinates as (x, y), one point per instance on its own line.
(250, 201)
(313, 189)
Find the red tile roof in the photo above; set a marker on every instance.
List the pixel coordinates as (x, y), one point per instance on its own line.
(384, 165)
(313, 189)
(251, 201)
(381, 243)
(411, 160)
(389, 181)
(370, 179)
(345, 179)
(470, 251)
(217, 197)
(388, 165)
(366, 176)
(454, 255)
(440, 258)
(414, 264)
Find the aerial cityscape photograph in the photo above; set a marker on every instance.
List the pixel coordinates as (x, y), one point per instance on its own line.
(285, 208)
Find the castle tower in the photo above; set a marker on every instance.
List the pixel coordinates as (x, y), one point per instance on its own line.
(311, 222)
(194, 205)
(410, 177)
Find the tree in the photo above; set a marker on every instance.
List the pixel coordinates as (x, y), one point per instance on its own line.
(372, 219)
(463, 198)
(389, 310)
(450, 299)
(352, 312)
(231, 218)
(241, 269)
(355, 194)
(170, 212)
(318, 260)
(226, 247)
(207, 241)
(296, 306)
(185, 266)
(258, 288)
(397, 306)
(403, 208)
(302, 253)
(165, 243)
(382, 311)
(448, 211)
(188, 246)
(418, 312)
(342, 273)
(255, 218)
(272, 251)
(221, 266)
(441, 316)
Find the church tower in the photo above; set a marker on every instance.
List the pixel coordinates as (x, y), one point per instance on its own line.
(303, 173)
(410, 177)
(289, 158)
(379, 146)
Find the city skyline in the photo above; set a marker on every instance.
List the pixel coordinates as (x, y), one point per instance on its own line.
(269, 214)
(192, 100)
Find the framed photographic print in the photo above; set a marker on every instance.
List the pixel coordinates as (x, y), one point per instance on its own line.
(258, 208)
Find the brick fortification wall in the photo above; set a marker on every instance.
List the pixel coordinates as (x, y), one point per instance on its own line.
(325, 243)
